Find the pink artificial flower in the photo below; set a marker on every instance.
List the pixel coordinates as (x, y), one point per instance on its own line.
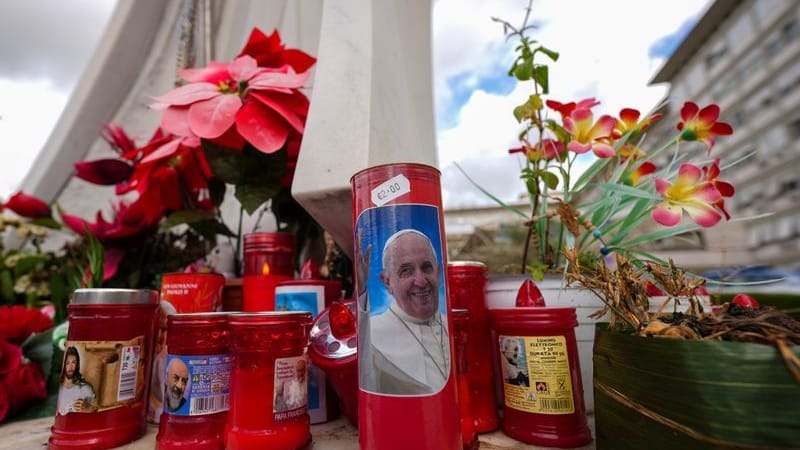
(589, 135)
(690, 193)
(646, 168)
(548, 149)
(565, 109)
(711, 175)
(257, 101)
(701, 124)
(629, 122)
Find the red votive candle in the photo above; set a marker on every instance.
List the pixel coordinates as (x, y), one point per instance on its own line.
(196, 383)
(104, 376)
(333, 349)
(467, 283)
(269, 395)
(461, 319)
(541, 376)
(268, 260)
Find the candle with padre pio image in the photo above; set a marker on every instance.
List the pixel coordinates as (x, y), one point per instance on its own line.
(268, 260)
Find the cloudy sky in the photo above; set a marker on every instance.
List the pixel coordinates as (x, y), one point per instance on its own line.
(609, 49)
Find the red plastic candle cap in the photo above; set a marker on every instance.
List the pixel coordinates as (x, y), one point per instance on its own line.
(529, 294)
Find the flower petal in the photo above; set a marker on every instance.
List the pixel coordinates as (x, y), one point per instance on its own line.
(175, 120)
(603, 150)
(703, 214)
(210, 118)
(667, 215)
(27, 206)
(662, 185)
(296, 122)
(577, 147)
(164, 151)
(263, 128)
(188, 94)
(243, 68)
(277, 79)
(688, 111)
(709, 114)
(104, 172)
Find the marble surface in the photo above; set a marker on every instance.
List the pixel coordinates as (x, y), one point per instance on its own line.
(334, 435)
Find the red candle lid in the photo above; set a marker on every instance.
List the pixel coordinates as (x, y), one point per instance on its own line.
(266, 242)
(466, 266)
(333, 333)
(529, 294)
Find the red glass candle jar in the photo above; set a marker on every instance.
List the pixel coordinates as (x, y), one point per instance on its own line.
(268, 260)
(180, 293)
(104, 377)
(312, 296)
(461, 319)
(196, 383)
(405, 343)
(541, 376)
(268, 381)
(467, 283)
(333, 349)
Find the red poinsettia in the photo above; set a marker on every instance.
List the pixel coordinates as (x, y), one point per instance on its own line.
(21, 385)
(27, 206)
(18, 322)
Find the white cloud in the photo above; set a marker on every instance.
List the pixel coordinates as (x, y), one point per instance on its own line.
(603, 48)
(28, 112)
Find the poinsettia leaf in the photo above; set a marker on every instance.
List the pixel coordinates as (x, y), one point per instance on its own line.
(253, 196)
(216, 190)
(186, 216)
(39, 348)
(209, 229)
(226, 164)
(47, 222)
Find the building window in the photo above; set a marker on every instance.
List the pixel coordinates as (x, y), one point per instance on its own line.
(794, 128)
(714, 56)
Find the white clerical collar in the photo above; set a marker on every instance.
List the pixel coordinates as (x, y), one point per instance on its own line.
(406, 318)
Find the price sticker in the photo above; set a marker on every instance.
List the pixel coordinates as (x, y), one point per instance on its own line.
(390, 190)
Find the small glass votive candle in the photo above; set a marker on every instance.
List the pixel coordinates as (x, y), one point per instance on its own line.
(196, 382)
(268, 260)
(269, 388)
(102, 393)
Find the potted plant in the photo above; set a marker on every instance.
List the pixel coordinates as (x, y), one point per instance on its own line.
(592, 228)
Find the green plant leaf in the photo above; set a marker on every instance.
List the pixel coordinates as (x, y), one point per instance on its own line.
(628, 190)
(216, 190)
(209, 229)
(228, 165)
(253, 196)
(47, 222)
(28, 264)
(553, 55)
(39, 348)
(488, 194)
(540, 75)
(528, 109)
(524, 69)
(187, 216)
(7, 286)
(550, 179)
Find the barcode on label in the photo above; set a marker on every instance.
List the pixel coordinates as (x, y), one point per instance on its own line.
(555, 404)
(128, 372)
(208, 405)
(127, 386)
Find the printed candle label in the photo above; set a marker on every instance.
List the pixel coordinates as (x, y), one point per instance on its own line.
(197, 385)
(100, 375)
(291, 388)
(536, 374)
